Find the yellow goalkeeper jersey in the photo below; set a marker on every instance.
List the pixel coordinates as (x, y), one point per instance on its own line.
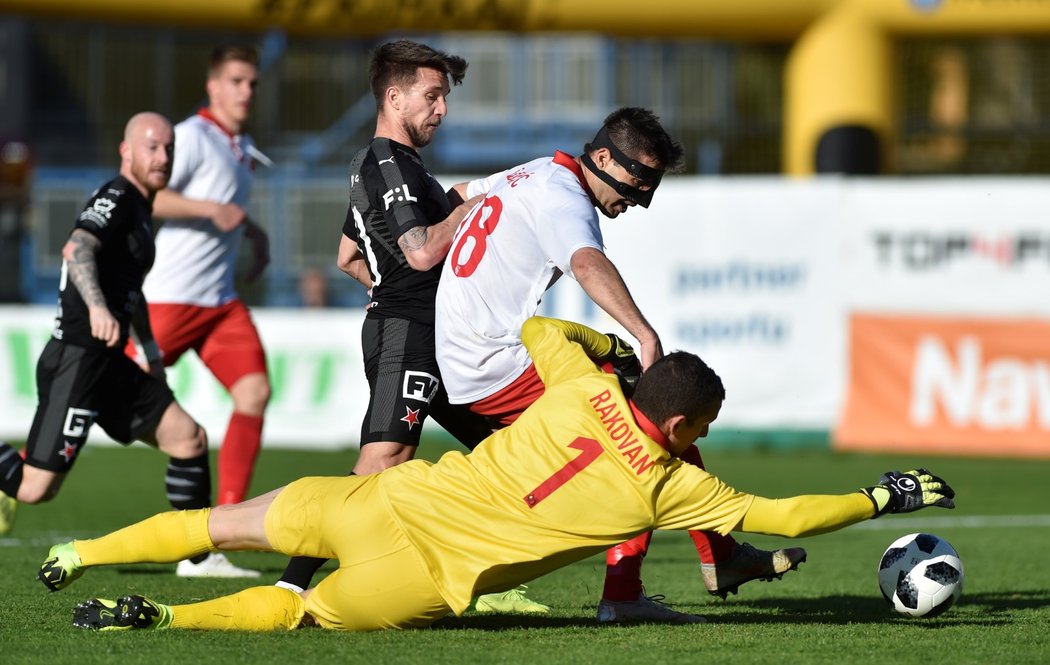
(578, 472)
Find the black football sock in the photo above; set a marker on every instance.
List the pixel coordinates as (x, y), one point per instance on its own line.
(188, 482)
(301, 569)
(10, 470)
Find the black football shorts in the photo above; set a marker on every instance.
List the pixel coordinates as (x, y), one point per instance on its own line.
(77, 387)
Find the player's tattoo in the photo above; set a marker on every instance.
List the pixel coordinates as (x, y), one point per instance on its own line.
(83, 269)
(413, 239)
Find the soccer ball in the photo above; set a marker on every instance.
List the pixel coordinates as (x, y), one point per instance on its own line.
(921, 575)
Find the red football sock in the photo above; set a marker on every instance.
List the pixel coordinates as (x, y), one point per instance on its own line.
(711, 546)
(623, 569)
(237, 457)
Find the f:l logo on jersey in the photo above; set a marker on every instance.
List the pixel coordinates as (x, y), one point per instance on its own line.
(399, 193)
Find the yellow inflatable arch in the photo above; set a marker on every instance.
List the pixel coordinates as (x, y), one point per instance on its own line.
(838, 111)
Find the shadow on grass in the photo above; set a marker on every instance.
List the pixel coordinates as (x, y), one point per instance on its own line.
(984, 609)
(1006, 601)
(971, 609)
(499, 622)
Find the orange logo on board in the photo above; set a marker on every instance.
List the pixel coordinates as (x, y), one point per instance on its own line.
(948, 385)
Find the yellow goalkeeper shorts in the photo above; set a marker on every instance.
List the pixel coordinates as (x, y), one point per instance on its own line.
(382, 581)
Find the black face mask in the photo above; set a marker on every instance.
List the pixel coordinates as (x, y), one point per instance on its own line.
(647, 174)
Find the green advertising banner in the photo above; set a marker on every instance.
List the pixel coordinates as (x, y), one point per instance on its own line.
(314, 357)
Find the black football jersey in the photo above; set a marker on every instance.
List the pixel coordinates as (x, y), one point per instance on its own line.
(391, 191)
(121, 218)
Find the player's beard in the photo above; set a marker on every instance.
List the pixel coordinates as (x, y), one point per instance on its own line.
(419, 136)
(152, 179)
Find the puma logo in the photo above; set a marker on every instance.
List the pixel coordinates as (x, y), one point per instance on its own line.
(388, 159)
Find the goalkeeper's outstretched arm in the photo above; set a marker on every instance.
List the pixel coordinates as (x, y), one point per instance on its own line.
(811, 514)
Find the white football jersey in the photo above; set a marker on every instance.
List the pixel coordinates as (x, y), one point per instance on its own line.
(195, 261)
(504, 256)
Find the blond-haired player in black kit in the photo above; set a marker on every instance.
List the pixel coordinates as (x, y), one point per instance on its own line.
(83, 376)
(582, 469)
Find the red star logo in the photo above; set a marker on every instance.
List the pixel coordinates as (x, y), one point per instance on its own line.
(411, 417)
(69, 451)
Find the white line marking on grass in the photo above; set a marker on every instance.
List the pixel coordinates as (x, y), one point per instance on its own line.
(46, 539)
(888, 523)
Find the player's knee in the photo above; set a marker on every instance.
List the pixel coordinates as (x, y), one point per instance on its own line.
(251, 394)
(188, 442)
(380, 455)
(196, 443)
(37, 489)
(199, 440)
(257, 396)
(39, 485)
(242, 526)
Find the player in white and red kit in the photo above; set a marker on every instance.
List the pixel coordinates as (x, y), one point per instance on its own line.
(192, 301)
(537, 222)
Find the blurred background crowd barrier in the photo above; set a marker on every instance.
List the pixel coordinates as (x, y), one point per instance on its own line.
(891, 302)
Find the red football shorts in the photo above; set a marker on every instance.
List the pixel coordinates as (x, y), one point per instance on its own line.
(224, 338)
(505, 406)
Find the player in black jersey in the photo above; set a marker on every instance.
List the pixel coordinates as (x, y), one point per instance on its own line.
(398, 229)
(83, 376)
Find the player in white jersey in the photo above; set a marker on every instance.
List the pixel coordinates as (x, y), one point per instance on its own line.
(490, 285)
(537, 222)
(213, 165)
(192, 301)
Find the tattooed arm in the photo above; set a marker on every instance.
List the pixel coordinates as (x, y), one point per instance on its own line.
(426, 246)
(79, 253)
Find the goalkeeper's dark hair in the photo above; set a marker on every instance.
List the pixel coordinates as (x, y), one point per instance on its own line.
(680, 383)
(637, 132)
(397, 63)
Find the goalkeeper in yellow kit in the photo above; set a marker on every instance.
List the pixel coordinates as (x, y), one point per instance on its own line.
(582, 469)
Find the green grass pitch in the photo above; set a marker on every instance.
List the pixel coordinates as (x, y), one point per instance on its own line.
(828, 612)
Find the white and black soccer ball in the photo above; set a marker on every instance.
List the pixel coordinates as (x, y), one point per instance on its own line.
(921, 575)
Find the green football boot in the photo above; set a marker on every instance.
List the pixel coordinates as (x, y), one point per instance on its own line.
(510, 602)
(128, 613)
(61, 567)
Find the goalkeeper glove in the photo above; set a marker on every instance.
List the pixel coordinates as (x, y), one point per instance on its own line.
(621, 361)
(909, 491)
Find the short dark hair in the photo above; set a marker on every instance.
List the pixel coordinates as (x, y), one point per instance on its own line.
(397, 63)
(637, 132)
(232, 53)
(679, 384)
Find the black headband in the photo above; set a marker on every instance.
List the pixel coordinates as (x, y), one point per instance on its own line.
(647, 174)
